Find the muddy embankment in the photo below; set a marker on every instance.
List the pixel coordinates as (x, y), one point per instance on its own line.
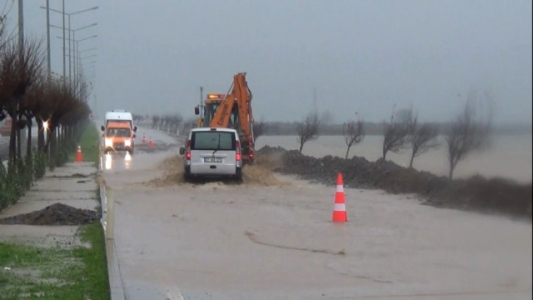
(493, 196)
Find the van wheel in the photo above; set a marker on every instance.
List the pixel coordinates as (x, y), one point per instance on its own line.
(238, 175)
(187, 175)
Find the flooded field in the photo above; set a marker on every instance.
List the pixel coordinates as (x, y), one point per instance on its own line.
(509, 156)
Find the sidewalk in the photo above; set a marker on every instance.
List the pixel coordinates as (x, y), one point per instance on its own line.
(75, 185)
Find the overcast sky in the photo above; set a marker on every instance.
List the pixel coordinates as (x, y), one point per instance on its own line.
(364, 56)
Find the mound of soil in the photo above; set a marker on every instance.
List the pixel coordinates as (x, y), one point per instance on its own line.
(476, 193)
(55, 214)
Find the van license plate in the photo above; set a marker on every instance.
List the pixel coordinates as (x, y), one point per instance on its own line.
(212, 159)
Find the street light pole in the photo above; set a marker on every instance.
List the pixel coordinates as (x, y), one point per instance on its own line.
(72, 52)
(69, 44)
(76, 42)
(69, 52)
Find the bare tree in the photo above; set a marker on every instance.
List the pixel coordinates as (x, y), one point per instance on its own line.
(19, 68)
(423, 138)
(176, 121)
(308, 129)
(397, 131)
(354, 133)
(469, 133)
(155, 121)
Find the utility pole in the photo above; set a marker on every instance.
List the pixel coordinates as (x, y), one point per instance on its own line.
(201, 99)
(64, 57)
(49, 65)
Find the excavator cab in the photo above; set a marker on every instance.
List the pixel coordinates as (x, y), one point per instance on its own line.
(209, 112)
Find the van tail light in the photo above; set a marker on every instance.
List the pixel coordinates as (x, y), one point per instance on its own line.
(238, 151)
(188, 150)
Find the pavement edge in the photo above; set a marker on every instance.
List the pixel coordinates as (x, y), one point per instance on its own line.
(116, 285)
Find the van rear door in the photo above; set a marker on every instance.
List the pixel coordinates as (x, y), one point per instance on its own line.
(213, 152)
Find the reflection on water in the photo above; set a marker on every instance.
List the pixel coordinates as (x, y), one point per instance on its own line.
(117, 161)
(127, 160)
(108, 161)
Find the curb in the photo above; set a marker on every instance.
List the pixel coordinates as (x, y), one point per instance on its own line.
(116, 285)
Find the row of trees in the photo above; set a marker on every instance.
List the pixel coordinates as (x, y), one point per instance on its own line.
(469, 132)
(176, 122)
(28, 95)
(167, 122)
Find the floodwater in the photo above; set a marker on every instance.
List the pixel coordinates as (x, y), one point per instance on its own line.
(253, 241)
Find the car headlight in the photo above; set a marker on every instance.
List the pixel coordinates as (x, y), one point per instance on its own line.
(108, 142)
(127, 143)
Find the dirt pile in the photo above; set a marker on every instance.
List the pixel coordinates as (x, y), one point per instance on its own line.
(476, 193)
(55, 214)
(261, 172)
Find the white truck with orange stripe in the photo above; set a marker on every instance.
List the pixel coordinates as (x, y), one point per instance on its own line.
(119, 131)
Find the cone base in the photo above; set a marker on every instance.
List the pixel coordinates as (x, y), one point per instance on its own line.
(339, 217)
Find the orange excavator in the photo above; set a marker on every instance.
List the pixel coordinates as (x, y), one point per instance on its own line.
(232, 110)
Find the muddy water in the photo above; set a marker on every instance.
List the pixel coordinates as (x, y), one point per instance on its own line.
(276, 241)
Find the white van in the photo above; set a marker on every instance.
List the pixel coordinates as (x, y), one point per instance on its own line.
(212, 152)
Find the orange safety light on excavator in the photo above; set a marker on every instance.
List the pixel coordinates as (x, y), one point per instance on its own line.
(215, 96)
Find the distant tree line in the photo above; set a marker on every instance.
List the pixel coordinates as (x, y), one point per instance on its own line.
(467, 133)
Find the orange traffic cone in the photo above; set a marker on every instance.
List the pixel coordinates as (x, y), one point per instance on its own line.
(144, 139)
(79, 157)
(339, 209)
(150, 144)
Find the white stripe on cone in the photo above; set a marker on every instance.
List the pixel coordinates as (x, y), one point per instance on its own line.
(340, 188)
(339, 207)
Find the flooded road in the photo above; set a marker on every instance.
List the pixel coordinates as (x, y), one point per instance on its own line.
(221, 241)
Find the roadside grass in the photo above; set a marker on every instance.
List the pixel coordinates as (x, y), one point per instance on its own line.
(56, 271)
(89, 144)
(29, 272)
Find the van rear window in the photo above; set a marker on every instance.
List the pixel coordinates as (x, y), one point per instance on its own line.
(212, 140)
